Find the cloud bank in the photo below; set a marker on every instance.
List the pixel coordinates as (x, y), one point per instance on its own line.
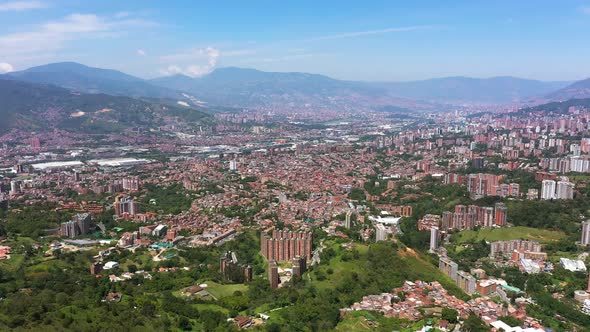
(5, 68)
(19, 6)
(210, 55)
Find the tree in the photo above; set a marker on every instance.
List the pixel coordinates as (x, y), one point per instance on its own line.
(148, 309)
(474, 324)
(185, 324)
(450, 315)
(511, 320)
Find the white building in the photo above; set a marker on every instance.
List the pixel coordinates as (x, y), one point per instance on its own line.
(585, 233)
(564, 190)
(501, 326)
(159, 231)
(233, 165)
(380, 233)
(348, 219)
(548, 189)
(575, 149)
(572, 265)
(434, 238)
(578, 164)
(111, 265)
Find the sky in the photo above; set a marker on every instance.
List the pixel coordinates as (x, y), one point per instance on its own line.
(352, 40)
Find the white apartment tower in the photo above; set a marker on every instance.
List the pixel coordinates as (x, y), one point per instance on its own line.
(548, 189)
(434, 238)
(585, 233)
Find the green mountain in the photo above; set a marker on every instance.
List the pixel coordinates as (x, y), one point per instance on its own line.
(78, 77)
(38, 107)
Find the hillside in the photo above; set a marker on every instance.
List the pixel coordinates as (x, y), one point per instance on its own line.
(37, 107)
(577, 90)
(251, 86)
(254, 88)
(466, 89)
(78, 77)
(556, 107)
(241, 87)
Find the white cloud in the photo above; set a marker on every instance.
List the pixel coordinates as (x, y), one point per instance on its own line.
(141, 52)
(210, 55)
(370, 32)
(5, 68)
(19, 6)
(52, 36)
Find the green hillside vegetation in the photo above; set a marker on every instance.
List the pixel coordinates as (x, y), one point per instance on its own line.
(556, 107)
(42, 107)
(370, 321)
(510, 233)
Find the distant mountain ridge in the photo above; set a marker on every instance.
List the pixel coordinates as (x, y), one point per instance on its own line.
(241, 87)
(576, 90)
(78, 77)
(237, 87)
(36, 107)
(502, 89)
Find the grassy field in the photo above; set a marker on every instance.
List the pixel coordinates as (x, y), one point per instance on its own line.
(221, 291)
(207, 306)
(372, 321)
(511, 233)
(579, 178)
(339, 267)
(418, 268)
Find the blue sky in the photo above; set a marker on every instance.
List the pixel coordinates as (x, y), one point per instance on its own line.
(357, 40)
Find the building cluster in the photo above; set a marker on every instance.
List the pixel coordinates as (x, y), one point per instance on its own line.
(229, 267)
(277, 275)
(409, 301)
(125, 206)
(471, 216)
(429, 221)
(463, 279)
(576, 163)
(557, 190)
(402, 210)
(128, 184)
(526, 255)
(79, 225)
(284, 245)
(481, 185)
(508, 247)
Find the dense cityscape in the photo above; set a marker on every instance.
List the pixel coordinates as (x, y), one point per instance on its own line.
(216, 198)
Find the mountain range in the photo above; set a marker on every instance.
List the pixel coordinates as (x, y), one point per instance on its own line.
(78, 77)
(576, 90)
(37, 107)
(239, 87)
